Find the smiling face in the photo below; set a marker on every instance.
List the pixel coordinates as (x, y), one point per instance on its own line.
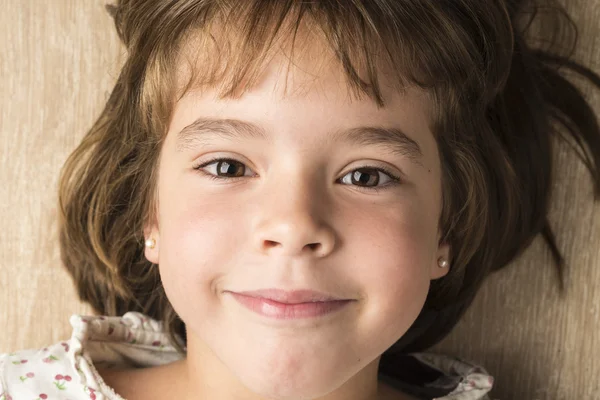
(304, 202)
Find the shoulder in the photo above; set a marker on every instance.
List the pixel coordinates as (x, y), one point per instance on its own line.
(50, 372)
(68, 369)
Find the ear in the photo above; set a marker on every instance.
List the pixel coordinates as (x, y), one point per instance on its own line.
(436, 271)
(151, 233)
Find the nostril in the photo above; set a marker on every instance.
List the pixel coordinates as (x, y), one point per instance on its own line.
(270, 243)
(314, 246)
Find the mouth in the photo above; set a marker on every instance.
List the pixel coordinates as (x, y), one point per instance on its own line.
(291, 305)
(291, 297)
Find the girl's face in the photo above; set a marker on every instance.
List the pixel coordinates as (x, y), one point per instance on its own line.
(304, 202)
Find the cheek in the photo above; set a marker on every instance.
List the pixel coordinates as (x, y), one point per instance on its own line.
(398, 240)
(391, 259)
(197, 239)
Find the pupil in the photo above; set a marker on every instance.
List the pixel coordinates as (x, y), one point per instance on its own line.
(227, 168)
(364, 178)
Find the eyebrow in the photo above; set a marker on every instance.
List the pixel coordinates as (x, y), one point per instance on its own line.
(203, 131)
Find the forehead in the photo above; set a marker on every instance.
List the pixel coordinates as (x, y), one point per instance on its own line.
(319, 90)
(303, 64)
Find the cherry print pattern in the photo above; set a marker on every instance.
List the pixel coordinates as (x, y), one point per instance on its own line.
(60, 381)
(91, 391)
(28, 375)
(49, 359)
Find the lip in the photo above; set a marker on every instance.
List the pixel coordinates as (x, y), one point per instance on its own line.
(289, 311)
(291, 296)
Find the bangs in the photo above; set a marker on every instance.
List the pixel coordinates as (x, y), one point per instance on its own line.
(226, 45)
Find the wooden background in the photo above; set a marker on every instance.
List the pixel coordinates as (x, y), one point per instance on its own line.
(58, 60)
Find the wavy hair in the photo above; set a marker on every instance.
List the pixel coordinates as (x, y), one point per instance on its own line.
(501, 105)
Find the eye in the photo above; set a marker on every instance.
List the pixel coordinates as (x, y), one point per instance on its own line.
(365, 178)
(370, 178)
(223, 168)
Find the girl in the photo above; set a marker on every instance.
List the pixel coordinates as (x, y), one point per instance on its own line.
(293, 200)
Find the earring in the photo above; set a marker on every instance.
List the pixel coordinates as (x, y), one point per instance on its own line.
(150, 243)
(442, 263)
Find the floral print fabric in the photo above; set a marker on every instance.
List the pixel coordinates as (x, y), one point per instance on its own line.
(67, 370)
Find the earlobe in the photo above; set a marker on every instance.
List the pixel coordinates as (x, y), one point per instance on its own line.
(151, 245)
(441, 268)
(441, 264)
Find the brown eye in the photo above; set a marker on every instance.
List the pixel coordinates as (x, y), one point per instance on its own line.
(223, 168)
(370, 178)
(230, 168)
(365, 177)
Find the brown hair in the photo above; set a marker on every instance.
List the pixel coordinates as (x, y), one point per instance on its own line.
(499, 103)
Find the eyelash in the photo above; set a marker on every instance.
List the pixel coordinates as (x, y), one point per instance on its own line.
(394, 179)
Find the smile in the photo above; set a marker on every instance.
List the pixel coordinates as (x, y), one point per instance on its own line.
(278, 310)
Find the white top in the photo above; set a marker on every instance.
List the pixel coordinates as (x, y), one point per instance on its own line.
(67, 370)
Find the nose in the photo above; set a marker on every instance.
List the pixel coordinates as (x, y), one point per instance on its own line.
(292, 222)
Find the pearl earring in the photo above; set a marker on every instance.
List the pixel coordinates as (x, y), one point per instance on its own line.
(442, 263)
(150, 243)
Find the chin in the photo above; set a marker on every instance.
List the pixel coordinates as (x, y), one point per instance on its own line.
(292, 388)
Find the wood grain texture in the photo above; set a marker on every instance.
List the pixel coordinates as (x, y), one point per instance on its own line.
(60, 58)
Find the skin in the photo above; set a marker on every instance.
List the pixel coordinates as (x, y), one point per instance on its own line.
(290, 222)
